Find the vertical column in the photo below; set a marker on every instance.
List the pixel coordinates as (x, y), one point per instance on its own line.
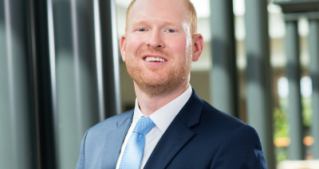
(43, 60)
(76, 79)
(314, 72)
(34, 77)
(223, 73)
(17, 141)
(296, 148)
(110, 57)
(258, 75)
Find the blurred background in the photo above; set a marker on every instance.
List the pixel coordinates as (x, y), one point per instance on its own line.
(61, 73)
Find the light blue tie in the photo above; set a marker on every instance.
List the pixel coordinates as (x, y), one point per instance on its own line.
(134, 149)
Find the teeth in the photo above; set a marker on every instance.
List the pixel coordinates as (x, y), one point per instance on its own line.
(154, 59)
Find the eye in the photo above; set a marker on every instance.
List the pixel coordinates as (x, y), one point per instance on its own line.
(142, 30)
(171, 30)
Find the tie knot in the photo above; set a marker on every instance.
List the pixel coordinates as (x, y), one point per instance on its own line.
(144, 125)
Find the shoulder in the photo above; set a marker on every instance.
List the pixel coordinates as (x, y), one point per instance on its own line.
(227, 127)
(219, 119)
(95, 136)
(236, 141)
(110, 123)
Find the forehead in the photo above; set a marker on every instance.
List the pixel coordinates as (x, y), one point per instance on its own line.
(158, 10)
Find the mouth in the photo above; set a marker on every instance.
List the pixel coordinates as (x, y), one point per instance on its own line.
(154, 59)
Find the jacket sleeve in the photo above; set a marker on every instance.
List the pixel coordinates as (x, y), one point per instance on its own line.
(241, 150)
(81, 160)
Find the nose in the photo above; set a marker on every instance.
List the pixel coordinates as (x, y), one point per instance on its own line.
(156, 41)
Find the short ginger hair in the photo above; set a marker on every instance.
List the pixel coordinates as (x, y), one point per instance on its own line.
(191, 16)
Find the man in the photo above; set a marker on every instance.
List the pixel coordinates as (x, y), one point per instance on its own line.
(170, 126)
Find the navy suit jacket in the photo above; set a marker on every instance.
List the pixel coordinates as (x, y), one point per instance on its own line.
(200, 137)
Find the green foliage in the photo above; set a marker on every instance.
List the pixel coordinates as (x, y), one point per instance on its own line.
(307, 112)
(280, 131)
(281, 126)
(280, 123)
(281, 154)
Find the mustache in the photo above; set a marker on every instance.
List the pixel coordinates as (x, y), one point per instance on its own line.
(151, 50)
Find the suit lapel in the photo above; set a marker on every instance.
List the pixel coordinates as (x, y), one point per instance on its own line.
(114, 140)
(177, 135)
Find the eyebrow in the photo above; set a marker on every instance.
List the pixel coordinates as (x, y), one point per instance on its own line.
(165, 23)
(139, 23)
(172, 23)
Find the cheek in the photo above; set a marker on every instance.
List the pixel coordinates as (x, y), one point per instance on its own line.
(178, 45)
(133, 44)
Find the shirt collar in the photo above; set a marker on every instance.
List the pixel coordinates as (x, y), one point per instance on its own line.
(166, 114)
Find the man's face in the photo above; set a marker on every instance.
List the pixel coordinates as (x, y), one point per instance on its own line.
(157, 48)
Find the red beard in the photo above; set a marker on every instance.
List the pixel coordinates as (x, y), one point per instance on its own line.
(157, 81)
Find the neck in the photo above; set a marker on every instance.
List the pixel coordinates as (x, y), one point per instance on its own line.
(149, 103)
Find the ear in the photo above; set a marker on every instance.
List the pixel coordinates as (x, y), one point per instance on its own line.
(122, 46)
(198, 46)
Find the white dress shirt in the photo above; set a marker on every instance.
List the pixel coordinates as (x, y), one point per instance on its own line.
(162, 119)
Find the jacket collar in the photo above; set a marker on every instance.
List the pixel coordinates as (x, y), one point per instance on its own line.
(114, 140)
(177, 134)
(175, 137)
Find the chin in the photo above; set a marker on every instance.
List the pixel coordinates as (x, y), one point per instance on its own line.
(155, 83)
(160, 86)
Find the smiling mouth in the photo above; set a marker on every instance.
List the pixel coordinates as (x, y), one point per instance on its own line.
(154, 59)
